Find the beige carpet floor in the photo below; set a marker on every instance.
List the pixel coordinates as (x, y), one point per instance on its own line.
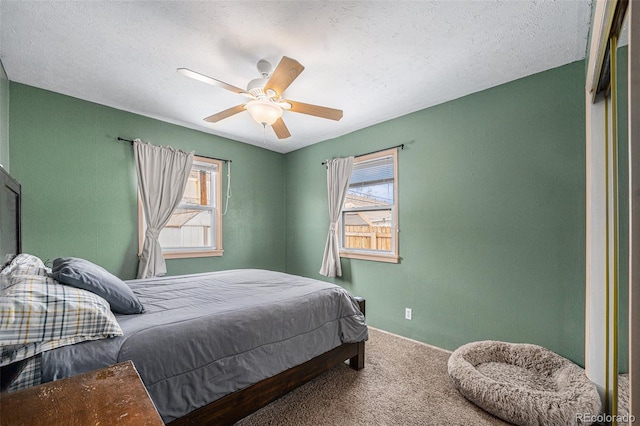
(403, 383)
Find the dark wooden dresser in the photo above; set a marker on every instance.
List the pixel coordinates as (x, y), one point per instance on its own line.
(113, 395)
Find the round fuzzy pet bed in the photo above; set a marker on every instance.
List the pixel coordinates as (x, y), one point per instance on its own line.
(524, 384)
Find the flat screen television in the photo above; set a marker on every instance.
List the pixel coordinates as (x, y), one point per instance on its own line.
(10, 216)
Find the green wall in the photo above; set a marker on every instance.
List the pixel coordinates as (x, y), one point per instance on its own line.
(4, 119)
(492, 217)
(79, 185)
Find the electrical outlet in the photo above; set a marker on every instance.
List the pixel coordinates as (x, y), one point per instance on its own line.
(407, 313)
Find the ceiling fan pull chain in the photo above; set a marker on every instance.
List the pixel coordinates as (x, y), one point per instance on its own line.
(264, 133)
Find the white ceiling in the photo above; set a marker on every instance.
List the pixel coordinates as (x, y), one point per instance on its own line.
(376, 60)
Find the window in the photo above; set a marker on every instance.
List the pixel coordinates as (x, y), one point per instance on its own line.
(369, 221)
(195, 228)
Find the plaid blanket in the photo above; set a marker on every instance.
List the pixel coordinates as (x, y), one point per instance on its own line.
(38, 314)
(30, 375)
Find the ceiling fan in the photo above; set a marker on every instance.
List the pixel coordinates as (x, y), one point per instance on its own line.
(265, 93)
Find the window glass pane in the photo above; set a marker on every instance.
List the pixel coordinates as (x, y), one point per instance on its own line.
(371, 184)
(368, 230)
(187, 228)
(369, 196)
(198, 192)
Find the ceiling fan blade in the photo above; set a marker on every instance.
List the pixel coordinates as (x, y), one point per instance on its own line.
(210, 80)
(281, 129)
(287, 70)
(224, 114)
(315, 110)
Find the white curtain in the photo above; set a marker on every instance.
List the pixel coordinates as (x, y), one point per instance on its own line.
(338, 175)
(162, 176)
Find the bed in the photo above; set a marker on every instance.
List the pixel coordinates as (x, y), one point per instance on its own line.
(215, 347)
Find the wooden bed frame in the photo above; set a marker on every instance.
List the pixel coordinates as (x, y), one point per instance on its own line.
(226, 410)
(236, 406)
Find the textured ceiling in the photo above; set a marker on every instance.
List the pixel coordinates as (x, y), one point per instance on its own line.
(376, 60)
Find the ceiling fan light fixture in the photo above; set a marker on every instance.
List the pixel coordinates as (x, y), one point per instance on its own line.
(264, 111)
(266, 105)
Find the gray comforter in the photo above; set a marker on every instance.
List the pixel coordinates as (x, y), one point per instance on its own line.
(204, 336)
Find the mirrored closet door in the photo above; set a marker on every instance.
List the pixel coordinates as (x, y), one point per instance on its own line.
(613, 201)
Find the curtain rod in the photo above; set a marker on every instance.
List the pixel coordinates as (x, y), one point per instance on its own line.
(401, 146)
(197, 155)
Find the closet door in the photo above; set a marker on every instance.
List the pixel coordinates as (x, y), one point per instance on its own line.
(612, 336)
(634, 206)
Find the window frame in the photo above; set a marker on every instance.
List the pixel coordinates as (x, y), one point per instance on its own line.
(193, 252)
(393, 255)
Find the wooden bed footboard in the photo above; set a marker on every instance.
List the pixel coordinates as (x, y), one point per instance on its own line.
(238, 405)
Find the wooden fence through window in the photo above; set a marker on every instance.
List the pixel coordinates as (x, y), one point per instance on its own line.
(368, 237)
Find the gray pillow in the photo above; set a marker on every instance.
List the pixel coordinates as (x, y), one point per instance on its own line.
(88, 276)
